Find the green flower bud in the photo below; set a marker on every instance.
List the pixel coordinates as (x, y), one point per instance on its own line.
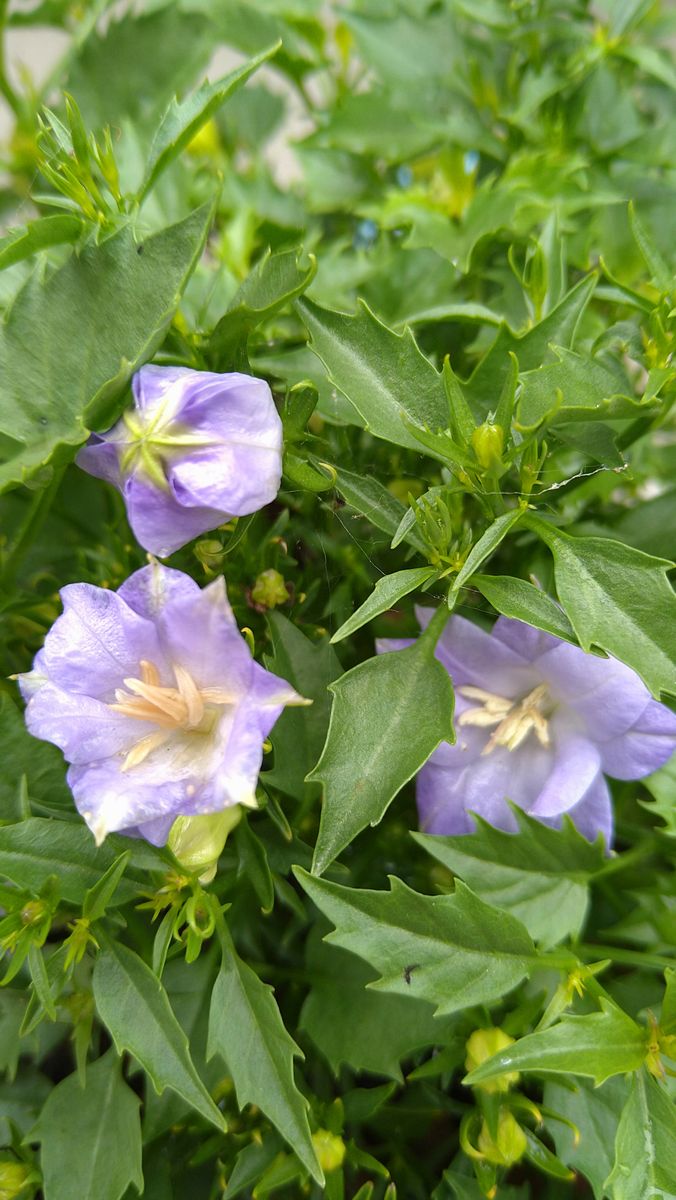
(510, 1142)
(482, 1045)
(210, 553)
(488, 442)
(270, 589)
(330, 1150)
(13, 1178)
(197, 842)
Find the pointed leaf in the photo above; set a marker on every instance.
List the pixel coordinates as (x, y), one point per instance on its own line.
(39, 235)
(539, 874)
(487, 543)
(617, 598)
(247, 1031)
(645, 1146)
(598, 1045)
(386, 593)
(522, 600)
(369, 497)
(383, 374)
(374, 748)
(275, 281)
(133, 1004)
(453, 951)
(102, 1122)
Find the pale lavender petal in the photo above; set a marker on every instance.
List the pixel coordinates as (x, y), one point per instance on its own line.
(160, 523)
(235, 479)
(523, 639)
(84, 729)
(200, 634)
(111, 801)
(473, 656)
(152, 589)
(593, 814)
(100, 458)
(645, 747)
(573, 768)
(96, 642)
(607, 696)
(388, 645)
(151, 384)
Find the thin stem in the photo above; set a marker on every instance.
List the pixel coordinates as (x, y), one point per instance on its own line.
(631, 958)
(6, 88)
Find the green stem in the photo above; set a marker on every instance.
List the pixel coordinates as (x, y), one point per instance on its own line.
(34, 520)
(630, 958)
(6, 88)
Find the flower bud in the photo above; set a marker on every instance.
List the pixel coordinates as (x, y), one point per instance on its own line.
(197, 842)
(269, 590)
(510, 1141)
(13, 1178)
(330, 1150)
(206, 142)
(210, 553)
(488, 442)
(482, 1045)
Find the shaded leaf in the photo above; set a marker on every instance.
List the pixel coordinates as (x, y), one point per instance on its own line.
(386, 593)
(524, 602)
(39, 235)
(645, 1146)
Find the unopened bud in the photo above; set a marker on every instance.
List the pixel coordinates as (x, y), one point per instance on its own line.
(210, 553)
(13, 1178)
(197, 842)
(206, 142)
(488, 442)
(269, 590)
(482, 1045)
(330, 1150)
(509, 1144)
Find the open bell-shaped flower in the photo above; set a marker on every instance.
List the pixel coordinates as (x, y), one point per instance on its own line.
(153, 696)
(196, 449)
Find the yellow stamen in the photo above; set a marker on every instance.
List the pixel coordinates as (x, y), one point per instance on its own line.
(515, 719)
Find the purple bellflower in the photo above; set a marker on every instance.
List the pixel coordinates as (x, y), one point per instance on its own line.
(153, 696)
(196, 449)
(538, 722)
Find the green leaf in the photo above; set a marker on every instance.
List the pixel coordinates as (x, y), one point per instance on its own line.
(39, 235)
(299, 734)
(376, 503)
(645, 1146)
(453, 951)
(247, 1031)
(133, 1004)
(184, 118)
(617, 598)
(386, 593)
(91, 1136)
(383, 374)
(40, 763)
(274, 281)
(353, 1025)
(539, 874)
(33, 849)
(516, 598)
(100, 896)
(662, 787)
(574, 388)
(389, 714)
(84, 342)
(531, 348)
(487, 543)
(598, 1045)
(595, 1112)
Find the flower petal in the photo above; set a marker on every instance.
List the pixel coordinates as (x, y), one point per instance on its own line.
(606, 695)
(639, 751)
(593, 814)
(473, 656)
(160, 523)
(100, 457)
(574, 767)
(83, 728)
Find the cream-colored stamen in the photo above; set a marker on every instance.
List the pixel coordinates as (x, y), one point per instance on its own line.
(515, 719)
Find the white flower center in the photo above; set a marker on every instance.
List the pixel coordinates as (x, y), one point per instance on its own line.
(514, 719)
(185, 707)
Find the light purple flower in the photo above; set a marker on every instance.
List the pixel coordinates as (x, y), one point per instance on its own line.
(538, 722)
(154, 698)
(196, 449)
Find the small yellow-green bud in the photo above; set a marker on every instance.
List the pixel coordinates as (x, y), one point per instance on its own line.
(34, 912)
(13, 1178)
(269, 590)
(206, 142)
(488, 442)
(197, 842)
(482, 1045)
(330, 1150)
(210, 553)
(510, 1142)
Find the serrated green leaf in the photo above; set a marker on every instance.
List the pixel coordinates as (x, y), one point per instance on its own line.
(247, 1032)
(33, 849)
(386, 593)
(616, 598)
(353, 1025)
(597, 1045)
(377, 504)
(372, 749)
(645, 1146)
(524, 602)
(576, 388)
(184, 118)
(39, 235)
(91, 1136)
(531, 348)
(383, 374)
(453, 951)
(539, 874)
(84, 342)
(299, 734)
(133, 1005)
(275, 281)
